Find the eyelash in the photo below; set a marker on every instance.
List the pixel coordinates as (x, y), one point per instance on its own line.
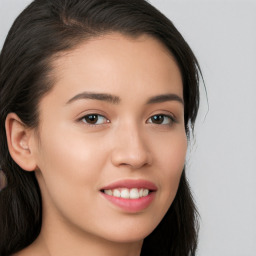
(96, 116)
(170, 120)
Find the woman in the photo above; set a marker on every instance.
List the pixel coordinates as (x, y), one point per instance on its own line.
(97, 101)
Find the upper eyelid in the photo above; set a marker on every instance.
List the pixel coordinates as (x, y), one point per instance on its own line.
(106, 122)
(91, 112)
(165, 113)
(173, 119)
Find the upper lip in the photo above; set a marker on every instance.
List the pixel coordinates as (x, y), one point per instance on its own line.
(131, 184)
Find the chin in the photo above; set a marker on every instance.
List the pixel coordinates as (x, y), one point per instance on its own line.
(129, 236)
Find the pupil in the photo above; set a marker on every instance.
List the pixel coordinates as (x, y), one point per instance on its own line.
(158, 119)
(92, 119)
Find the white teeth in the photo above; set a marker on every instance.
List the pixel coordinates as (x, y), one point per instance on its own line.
(145, 192)
(116, 193)
(134, 193)
(126, 193)
(108, 192)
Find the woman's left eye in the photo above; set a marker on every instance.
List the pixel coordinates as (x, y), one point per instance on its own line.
(161, 119)
(94, 119)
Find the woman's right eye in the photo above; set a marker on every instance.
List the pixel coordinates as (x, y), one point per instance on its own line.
(94, 119)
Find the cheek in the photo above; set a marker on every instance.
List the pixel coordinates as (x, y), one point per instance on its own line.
(171, 154)
(171, 158)
(69, 153)
(69, 173)
(69, 167)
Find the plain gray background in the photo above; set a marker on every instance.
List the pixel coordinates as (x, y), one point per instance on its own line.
(220, 161)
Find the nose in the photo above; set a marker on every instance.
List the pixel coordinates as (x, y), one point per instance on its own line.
(131, 148)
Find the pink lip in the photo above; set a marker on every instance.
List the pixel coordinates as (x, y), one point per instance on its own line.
(131, 184)
(131, 205)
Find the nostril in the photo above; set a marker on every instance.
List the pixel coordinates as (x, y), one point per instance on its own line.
(133, 154)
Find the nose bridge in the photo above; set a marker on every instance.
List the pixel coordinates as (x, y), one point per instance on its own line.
(131, 147)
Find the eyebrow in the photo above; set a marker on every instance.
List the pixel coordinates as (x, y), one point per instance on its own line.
(164, 98)
(96, 96)
(116, 100)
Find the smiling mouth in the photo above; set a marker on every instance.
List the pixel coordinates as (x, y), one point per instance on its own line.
(126, 193)
(131, 196)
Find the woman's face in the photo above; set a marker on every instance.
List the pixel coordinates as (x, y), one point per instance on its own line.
(113, 125)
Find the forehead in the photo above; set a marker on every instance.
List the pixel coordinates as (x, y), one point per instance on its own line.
(113, 62)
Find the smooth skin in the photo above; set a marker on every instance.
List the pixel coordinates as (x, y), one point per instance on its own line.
(83, 144)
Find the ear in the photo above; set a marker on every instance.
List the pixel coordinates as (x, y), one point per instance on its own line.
(20, 142)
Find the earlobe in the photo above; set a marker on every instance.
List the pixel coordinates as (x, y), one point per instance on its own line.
(19, 138)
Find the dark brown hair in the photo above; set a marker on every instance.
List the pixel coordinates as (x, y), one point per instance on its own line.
(42, 31)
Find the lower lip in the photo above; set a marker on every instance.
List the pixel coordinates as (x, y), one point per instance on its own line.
(131, 205)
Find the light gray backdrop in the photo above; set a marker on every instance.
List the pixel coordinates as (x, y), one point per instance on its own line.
(221, 159)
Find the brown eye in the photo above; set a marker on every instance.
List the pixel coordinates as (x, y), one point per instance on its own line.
(161, 119)
(157, 119)
(94, 119)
